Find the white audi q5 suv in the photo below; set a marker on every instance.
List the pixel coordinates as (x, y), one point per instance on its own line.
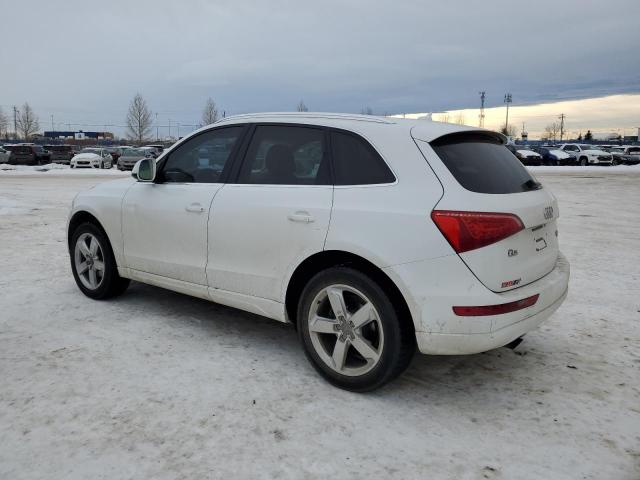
(373, 236)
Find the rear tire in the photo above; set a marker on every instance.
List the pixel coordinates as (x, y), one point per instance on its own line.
(93, 263)
(361, 348)
(584, 162)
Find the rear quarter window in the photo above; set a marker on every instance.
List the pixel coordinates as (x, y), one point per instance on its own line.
(482, 164)
(356, 162)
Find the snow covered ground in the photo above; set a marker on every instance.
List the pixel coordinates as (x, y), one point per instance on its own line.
(160, 385)
(55, 169)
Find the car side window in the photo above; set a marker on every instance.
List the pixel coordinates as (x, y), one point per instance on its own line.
(356, 162)
(286, 155)
(201, 159)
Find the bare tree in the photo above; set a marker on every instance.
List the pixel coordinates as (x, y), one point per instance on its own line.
(210, 112)
(444, 118)
(511, 131)
(302, 107)
(27, 121)
(460, 119)
(551, 131)
(366, 111)
(138, 119)
(4, 122)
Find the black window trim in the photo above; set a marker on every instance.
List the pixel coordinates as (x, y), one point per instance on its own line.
(228, 167)
(242, 154)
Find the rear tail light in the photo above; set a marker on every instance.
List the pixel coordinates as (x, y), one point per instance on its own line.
(485, 310)
(471, 230)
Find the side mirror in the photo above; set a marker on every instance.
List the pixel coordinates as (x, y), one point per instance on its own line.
(144, 170)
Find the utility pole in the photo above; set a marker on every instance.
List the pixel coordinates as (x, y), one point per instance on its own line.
(169, 128)
(52, 127)
(15, 122)
(561, 117)
(507, 100)
(157, 137)
(482, 95)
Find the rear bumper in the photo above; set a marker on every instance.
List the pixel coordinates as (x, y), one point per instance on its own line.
(464, 344)
(438, 285)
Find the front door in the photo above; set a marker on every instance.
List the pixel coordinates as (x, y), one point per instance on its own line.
(275, 215)
(164, 224)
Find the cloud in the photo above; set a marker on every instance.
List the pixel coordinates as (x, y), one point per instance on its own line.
(413, 55)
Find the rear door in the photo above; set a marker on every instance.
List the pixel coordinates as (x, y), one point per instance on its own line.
(479, 174)
(274, 215)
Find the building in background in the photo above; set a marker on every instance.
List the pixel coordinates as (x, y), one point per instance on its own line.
(79, 135)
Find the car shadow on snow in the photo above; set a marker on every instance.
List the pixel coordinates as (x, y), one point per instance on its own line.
(453, 378)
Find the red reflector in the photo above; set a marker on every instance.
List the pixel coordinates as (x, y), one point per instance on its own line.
(470, 230)
(485, 310)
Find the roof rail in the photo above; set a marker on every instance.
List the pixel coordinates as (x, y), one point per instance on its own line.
(333, 116)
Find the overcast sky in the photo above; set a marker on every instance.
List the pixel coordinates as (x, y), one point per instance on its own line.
(83, 61)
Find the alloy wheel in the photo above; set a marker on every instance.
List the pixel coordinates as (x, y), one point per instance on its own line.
(89, 261)
(346, 330)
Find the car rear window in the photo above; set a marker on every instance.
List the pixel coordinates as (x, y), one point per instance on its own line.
(482, 164)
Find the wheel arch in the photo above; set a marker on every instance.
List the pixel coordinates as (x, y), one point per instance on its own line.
(80, 217)
(333, 258)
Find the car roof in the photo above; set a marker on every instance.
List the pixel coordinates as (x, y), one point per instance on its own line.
(421, 129)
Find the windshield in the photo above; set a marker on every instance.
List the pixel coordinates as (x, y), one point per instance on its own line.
(134, 152)
(91, 150)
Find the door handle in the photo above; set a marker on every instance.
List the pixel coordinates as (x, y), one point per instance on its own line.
(301, 217)
(195, 207)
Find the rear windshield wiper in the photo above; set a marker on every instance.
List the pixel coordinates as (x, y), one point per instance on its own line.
(531, 184)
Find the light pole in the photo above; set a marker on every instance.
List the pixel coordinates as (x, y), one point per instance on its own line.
(157, 137)
(507, 100)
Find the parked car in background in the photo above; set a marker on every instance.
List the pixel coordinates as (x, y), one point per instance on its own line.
(525, 154)
(624, 155)
(44, 156)
(27, 154)
(4, 155)
(587, 154)
(92, 158)
(552, 155)
(156, 149)
(61, 153)
(375, 236)
(115, 153)
(130, 157)
(152, 150)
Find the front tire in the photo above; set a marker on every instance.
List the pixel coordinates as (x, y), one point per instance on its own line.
(93, 263)
(584, 162)
(351, 332)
